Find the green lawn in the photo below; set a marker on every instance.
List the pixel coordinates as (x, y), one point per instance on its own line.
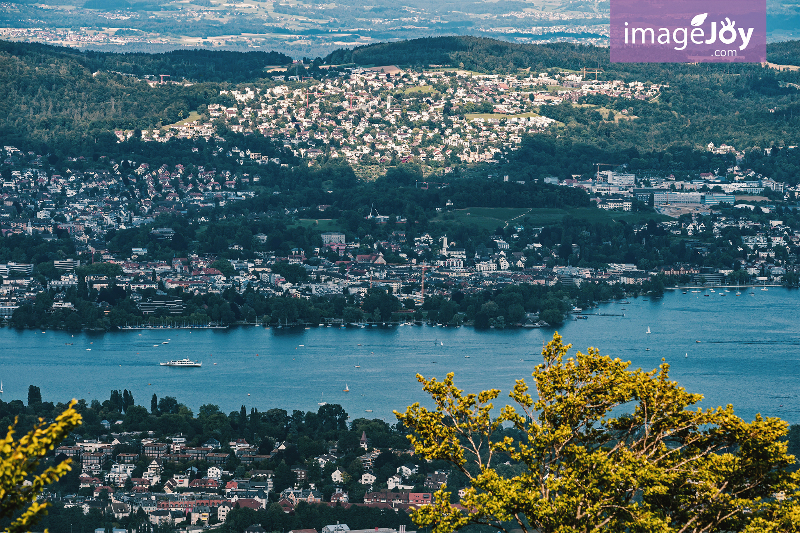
(470, 116)
(489, 218)
(601, 215)
(193, 115)
(420, 89)
(323, 224)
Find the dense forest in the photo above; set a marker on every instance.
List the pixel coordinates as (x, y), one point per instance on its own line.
(485, 55)
(472, 53)
(63, 101)
(197, 65)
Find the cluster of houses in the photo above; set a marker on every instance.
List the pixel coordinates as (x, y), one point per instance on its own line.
(355, 272)
(385, 115)
(196, 497)
(86, 204)
(618, 190)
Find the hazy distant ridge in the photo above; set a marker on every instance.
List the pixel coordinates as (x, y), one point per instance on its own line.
(479, 53)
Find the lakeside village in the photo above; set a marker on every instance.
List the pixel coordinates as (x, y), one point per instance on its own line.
(347, 119)
(336, 267)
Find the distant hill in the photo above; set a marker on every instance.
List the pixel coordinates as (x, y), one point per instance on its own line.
(474, 53)
(785, 53)
(65, 101)
(197, 65)
(482, 54)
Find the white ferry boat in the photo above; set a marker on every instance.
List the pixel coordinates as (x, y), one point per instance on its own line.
(183, 362)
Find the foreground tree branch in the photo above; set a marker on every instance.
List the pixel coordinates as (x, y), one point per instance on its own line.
(19, 487)
(605, 448)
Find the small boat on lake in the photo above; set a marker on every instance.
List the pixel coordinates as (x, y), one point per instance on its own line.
(183, 363)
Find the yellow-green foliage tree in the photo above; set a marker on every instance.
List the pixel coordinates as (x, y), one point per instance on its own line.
(601, 447)
(19, 460)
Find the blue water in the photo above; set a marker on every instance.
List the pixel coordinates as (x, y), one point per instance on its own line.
(749, 356)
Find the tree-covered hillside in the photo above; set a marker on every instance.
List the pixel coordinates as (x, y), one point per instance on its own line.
(59, 100)
(196, 65)
(476, 53)
(485, 55)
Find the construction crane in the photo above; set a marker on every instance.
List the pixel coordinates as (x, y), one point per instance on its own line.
(595, 71)
(598, 165)
(422, 293)
(162, 77)
(312, 94)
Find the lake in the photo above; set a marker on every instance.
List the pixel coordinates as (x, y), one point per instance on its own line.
(748, 355)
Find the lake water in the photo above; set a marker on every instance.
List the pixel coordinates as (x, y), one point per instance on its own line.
(748, 355)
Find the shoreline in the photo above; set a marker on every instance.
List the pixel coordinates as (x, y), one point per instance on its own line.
(568, 316)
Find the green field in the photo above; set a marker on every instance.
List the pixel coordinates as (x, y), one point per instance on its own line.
(608, 114)
(323, 225)
(193, 115)
(470, 116)
(420, 89)
(489, 218)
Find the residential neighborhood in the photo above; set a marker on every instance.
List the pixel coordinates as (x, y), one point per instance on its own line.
(189, 488)
(87, 206)
(383, 115)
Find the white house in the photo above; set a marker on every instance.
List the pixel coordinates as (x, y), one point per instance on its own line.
(336, 528)
(407, 470)
(395, 482)
(214, 472)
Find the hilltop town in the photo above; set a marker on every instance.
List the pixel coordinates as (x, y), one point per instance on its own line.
(385, 114)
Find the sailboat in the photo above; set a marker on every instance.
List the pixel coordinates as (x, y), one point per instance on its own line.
(346, 388)
(320, 403)
(1, 387)
(648, 330)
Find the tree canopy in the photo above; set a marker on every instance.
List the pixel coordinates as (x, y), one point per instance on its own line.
(19, 461)
(600, 447)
